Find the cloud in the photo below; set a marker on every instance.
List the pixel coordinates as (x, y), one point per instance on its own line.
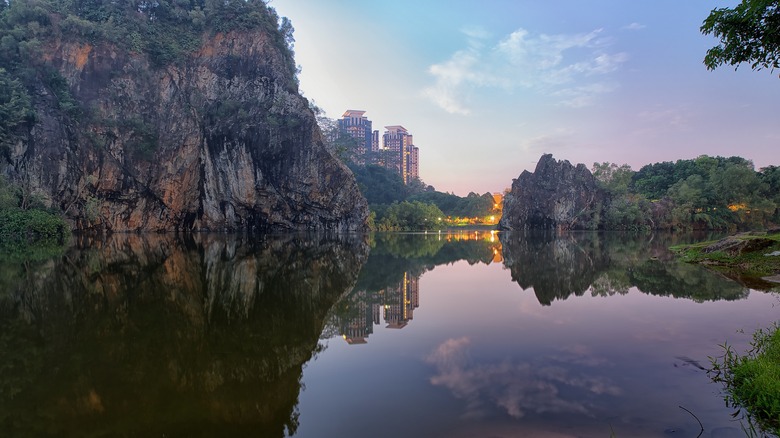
(583, 96)
(634, 26)
(564, 66)
(519, 388)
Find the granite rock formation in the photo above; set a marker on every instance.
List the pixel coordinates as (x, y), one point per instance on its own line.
(557, 195)
(218, 141)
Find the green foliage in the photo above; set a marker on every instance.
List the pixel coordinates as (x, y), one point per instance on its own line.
(748, 33)
(744, 264)
(31, 225)
(22, 227)
(752, 380)
(15, 110)
(164, 30)
(770, 180)
(706, 192)
(379, 185)
(612, 177)
(410, 216)
(473, 205)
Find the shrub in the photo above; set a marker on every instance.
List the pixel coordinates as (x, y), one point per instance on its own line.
(752, 380)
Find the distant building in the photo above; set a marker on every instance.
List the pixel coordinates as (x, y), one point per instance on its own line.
(357, 126)
(413, 164)
(375, 141)
(399, 142)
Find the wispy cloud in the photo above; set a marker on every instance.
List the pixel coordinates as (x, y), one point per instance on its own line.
(568, 67)
(634, 26)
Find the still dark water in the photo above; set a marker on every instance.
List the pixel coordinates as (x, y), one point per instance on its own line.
(402, 335)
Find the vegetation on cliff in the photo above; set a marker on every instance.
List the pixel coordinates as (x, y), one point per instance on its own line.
(165, 115)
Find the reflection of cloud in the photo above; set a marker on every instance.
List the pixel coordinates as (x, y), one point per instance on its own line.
(516, 388)
(556, 65)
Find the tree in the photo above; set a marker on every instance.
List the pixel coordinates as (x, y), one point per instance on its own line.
(613, 177)
(15, 109)
(748, 33)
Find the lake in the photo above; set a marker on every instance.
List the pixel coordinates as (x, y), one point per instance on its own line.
(453, 334)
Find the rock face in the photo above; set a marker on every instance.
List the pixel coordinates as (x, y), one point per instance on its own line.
(221, 141)
(556, 196)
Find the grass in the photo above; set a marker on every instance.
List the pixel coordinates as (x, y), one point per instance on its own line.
(752, 380)
(747, 266)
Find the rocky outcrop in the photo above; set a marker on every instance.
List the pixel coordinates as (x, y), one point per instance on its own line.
(218, 141)
(557, 195)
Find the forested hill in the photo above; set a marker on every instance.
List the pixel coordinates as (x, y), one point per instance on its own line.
(164, 115)
(705, 192)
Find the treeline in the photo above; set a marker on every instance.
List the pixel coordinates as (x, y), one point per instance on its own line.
(702, 193)
(415, 206)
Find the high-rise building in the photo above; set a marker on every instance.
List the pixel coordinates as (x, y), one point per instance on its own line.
(413, 166)
(357, 126)
(398, 141)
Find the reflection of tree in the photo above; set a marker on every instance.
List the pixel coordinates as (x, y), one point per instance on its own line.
(138, 336)
(684, 281)
(557, 266)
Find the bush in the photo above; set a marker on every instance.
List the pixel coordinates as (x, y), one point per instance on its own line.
(752, 380)
(26, 226)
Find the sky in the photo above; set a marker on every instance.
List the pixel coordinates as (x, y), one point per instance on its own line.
(488, 86)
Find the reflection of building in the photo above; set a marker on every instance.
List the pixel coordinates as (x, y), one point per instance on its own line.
(398, 303)
(356, 329)
(401, 302)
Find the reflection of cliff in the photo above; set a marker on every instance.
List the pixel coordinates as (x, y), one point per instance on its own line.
(388, 286)
(142, 336)
(557, 266)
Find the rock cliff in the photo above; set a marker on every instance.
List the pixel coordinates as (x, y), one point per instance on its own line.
(220, 140)
(557, 195)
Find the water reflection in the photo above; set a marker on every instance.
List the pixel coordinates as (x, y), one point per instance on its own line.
(559, 266)
(544, 385)
(208, 335)
(388, 286)
(153, 335)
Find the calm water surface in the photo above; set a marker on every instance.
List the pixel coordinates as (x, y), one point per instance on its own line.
(419, 335)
